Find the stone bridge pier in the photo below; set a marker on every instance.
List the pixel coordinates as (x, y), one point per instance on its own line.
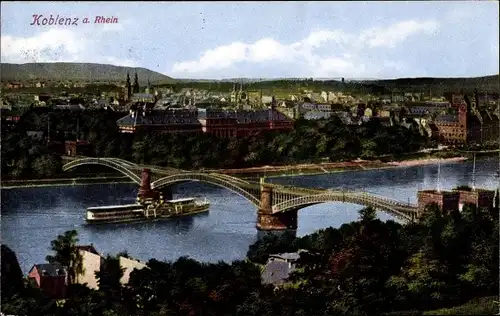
(146, 192)
(266, 220)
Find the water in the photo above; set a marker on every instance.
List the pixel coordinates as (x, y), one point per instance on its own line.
(32, 217)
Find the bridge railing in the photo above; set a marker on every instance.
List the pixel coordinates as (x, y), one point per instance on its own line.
(249, 191)
(230, 178)
(344, 197)
(103, 162)
(387, 199)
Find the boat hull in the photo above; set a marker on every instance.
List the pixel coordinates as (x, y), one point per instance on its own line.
(139, 218)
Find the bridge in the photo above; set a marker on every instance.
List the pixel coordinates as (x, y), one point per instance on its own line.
(277, 205)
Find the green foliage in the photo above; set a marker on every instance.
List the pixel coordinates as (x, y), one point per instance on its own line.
(260, 250)
(481, 306)
(368, 267)
(11, 274)
(66, 254)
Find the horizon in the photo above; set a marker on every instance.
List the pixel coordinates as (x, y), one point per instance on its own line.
(222, 41)
(267, 78)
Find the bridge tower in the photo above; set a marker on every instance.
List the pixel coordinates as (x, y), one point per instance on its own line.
(145, 190)
(266, 220)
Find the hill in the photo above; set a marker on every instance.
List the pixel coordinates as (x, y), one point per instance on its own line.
(77, 72)
(490, 83)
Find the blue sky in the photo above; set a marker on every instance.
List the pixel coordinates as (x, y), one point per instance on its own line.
(264, 39)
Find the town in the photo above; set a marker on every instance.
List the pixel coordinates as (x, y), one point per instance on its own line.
(240, 159)
(453, 118)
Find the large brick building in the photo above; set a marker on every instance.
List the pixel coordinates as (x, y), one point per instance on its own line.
(239, 123)
(220, 123)
(463, 124)
(164, 121)
(454, 200)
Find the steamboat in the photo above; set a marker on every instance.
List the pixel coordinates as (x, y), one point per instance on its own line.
(146, 210)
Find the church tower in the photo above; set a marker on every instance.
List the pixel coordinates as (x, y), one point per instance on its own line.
(136, 83)
(129, 87)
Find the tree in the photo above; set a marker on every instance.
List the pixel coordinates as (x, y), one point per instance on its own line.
(367, 214)
(136, 83)
(46, 166)
(12, 276)
(67, 254)
(110, 274)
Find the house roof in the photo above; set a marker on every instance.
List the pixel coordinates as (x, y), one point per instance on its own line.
(316, 115)
(276, 272)
(73, 107)
(447, 118)
(89, 248)
(51, 269)
(243, 116)
(159, 117)
(286, 256)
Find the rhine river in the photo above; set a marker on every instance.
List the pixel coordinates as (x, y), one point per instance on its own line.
(32, 217)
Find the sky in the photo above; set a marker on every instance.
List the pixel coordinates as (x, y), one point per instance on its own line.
(216, 40)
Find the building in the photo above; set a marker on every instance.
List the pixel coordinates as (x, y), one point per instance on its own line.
(78, 148)
(454, 200)
(488, 131)
(91, 262)
(241, 123)
(50, 278)
(170, 120)
(129, 265)
(10, 116)
(220, 123)
(460, 125)
(279, 267)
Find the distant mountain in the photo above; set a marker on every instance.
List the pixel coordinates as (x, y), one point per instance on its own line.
(77, 72)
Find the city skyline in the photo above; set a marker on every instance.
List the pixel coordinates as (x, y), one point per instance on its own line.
(264, 40)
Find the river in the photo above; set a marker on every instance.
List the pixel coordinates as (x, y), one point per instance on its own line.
(32, 217)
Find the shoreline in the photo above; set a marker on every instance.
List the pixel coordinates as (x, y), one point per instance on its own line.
(334, 167)
(40, 183)
(248, 173)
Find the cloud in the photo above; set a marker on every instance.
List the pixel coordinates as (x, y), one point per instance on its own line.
(50, 45)
(390, 37)
(63, 45)
(341, 51)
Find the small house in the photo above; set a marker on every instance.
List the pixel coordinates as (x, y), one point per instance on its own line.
(50, 278)
(279, 267)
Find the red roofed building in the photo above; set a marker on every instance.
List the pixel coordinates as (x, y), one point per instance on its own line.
(50, 278)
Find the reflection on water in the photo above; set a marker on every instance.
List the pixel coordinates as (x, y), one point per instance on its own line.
(32, 217)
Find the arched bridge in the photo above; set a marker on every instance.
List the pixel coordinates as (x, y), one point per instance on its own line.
(127, 168)
(277, 204)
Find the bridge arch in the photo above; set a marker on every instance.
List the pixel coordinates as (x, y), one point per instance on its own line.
(111, 163)
(394, 208)
(249, 191)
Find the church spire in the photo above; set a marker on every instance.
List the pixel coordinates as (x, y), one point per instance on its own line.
(129, 87)
(136, 83)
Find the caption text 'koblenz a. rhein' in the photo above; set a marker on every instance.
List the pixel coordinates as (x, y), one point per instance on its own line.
(49, 20)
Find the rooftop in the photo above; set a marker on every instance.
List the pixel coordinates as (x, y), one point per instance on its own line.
(276, 272)
(51, 269)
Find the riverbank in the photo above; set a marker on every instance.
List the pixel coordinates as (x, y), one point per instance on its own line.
(322, 168)
(37, 183)
(263, 171)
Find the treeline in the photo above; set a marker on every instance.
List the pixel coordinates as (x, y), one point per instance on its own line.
(310, 141)
(367, 267)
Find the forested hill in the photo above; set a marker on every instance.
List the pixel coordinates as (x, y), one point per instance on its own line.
(490, 83)
(76, 72)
